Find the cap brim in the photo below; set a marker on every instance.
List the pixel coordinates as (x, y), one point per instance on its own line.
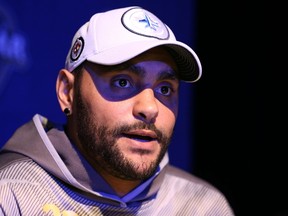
(188, 62)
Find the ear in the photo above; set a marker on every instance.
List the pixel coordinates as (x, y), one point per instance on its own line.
(64, 88)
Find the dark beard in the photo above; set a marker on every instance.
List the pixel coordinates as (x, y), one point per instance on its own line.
(99, 145)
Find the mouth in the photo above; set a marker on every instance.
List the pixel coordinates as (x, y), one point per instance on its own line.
(139, 137)
(143, 136)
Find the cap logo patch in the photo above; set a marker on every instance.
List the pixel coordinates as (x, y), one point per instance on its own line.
(77, 49)
(144, 23)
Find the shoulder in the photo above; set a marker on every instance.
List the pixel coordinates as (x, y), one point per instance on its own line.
(9, 158)
(193, 194)
(179, 175)
(191, 185)
(14, 166)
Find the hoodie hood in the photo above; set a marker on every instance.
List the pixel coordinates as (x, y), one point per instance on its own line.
(47, 144)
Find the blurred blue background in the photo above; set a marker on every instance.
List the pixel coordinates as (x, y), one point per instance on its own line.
(34, 40)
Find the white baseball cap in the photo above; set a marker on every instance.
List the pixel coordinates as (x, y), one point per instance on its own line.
(118, 35)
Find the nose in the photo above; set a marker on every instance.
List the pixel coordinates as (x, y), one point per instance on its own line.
(146, 107)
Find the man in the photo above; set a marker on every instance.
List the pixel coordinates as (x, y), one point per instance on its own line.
(119, 90)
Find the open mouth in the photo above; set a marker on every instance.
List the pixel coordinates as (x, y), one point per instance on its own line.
(139, 137)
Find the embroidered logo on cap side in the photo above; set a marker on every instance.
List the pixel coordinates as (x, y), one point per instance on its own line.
(142, 22)
(77, 49)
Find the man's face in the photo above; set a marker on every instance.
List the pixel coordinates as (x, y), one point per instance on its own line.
(125, 114)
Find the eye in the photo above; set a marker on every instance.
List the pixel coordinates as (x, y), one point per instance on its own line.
(122, 83)
(164, 90)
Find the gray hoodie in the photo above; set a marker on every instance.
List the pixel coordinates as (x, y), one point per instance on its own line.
(43, 173)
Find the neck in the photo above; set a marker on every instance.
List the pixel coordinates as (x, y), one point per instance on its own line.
(120, 186)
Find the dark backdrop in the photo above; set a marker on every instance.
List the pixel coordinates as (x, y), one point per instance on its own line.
(241, 111)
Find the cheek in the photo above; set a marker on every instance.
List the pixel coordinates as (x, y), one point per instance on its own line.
(167, 118)
(109, 113)
(171, 111)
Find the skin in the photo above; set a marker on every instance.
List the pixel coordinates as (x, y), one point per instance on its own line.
(122, 116)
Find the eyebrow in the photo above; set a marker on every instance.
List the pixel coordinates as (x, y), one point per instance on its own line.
(169, 74)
